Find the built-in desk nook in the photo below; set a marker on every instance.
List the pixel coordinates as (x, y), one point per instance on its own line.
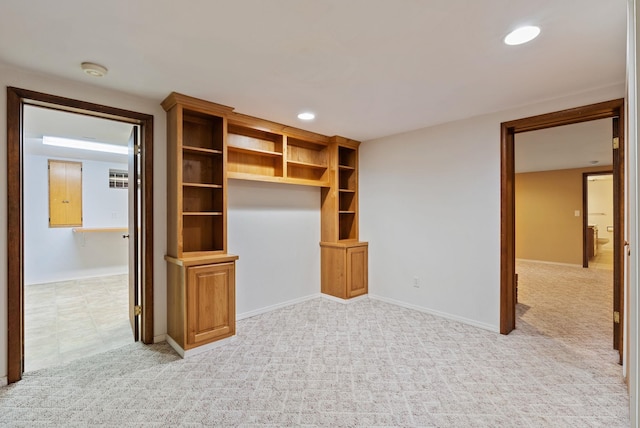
(208, 143)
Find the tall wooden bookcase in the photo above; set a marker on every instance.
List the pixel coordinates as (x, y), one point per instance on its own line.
(200, 273)
(344, 259)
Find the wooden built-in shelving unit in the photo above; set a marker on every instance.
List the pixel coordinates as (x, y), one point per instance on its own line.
(208, 143)
(343, 256)
(200, 273)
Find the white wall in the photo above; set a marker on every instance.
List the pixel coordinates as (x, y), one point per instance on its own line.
(275, 229)
(58, 254)
(430, 208)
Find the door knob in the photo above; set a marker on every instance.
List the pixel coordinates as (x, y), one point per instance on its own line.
(126, 236)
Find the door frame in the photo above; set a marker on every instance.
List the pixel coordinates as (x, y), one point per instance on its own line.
(16, 100)
(603, 110)
(585, 211)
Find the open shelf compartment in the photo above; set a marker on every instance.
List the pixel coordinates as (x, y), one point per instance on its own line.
(253, 151)
(202, 233)
(202, 131)
(307, 160)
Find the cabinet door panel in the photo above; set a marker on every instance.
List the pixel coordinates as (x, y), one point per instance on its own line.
(357, 271)
(65, 193)
(211, 302)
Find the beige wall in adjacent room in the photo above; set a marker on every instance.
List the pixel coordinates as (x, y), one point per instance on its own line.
(547, 228)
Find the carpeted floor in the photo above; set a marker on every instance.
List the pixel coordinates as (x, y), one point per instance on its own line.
(321, 363)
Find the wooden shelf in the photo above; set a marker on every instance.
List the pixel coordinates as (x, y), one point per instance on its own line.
(346, 167)
(271, 179)
(347, 191)
(99, 229)
(346, 212)
(211, 213)
(201, 150)
(258, 152)
(203, 185)
(306, 165)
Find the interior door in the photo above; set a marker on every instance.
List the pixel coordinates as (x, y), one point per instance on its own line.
(618, 235)
(134, 231)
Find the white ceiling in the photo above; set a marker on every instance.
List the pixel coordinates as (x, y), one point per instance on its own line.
(368, 68)
(565, 147)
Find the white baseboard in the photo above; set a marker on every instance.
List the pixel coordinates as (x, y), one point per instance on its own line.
(78, 277)
(200, 349)
(445, 315)
(3, 381)
(276, 306)
(544, 262)
(344, 301)
(160, 338)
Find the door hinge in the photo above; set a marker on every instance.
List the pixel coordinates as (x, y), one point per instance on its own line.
(616, 143)
(137, 310)
(616, 317)
(136, 149)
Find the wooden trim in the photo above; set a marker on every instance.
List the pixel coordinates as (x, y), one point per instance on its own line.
(585, 220)
(608, 109)
(146, 133)
(507, 231)
(16, 99)
(14, 237)
(618, 231)
(567, 117)
(196, 104)
(202, 260)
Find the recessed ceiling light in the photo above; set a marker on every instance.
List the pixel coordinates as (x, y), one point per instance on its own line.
(84, 145)
(307, 115)
(522, 35)
(95, 70)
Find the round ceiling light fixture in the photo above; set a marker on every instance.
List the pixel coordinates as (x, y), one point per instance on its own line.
(307, 115)
(95, 70)
(522, 35)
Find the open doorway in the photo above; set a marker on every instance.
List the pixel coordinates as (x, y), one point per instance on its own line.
(598, 203)
(76, 185)
(508, 279)
(555, 226)
(140, 223)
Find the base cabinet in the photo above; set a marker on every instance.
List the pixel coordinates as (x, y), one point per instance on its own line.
(201, 300)
(344, 269)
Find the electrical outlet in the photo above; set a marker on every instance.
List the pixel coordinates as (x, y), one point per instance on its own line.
(416, 283)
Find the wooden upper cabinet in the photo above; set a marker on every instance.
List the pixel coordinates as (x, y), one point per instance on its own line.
(65, 193)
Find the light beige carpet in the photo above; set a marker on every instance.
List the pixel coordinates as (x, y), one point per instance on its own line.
(321, 363)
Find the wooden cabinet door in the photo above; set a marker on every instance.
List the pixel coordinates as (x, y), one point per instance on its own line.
(65, 194)
(211, 311)
(357, 268)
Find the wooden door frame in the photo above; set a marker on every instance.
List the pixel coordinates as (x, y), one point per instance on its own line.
(16, 100)
(585, 212)
(608, 109)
